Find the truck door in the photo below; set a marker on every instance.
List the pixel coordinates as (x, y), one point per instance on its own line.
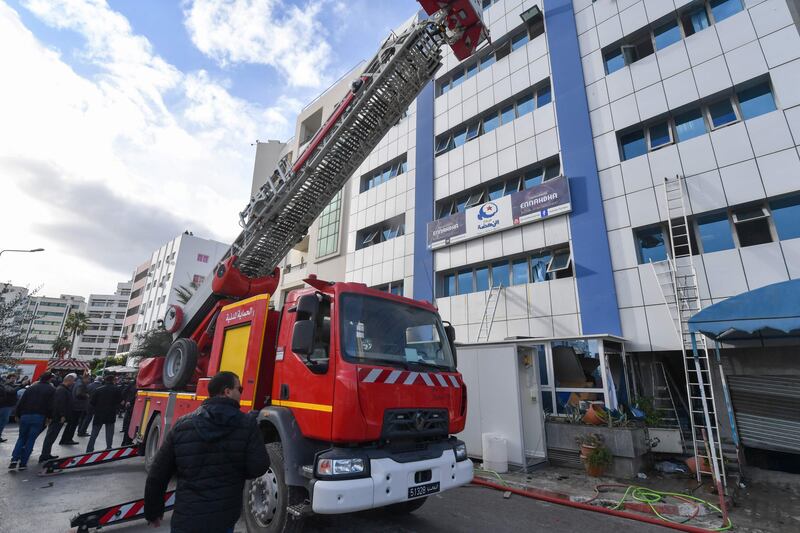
(304, 382)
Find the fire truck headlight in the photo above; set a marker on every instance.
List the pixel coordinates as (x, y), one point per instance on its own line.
(460, 450)
(341, 467)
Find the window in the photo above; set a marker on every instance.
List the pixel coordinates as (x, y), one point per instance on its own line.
(667, 34)
(722, 9)
(328, 237)
(561, 261)
(638, 50)
(490, 122)
(756, 101)
(464, 281)
(458, 78)
(786, 216)
(722, 113)
(525, 105)
(614, 61)
(459, 137)
(500, 274)
(690, 125)
(715, 232)
(449, 285)
(519, 271)
(752, 226)
(543, 96)
(386, 230)
(496, 191)
(533, 177)
(695, 20)
(633, 144)
(651, 244)
(660, 134)
(488, 61)
(482, 278)
(386, 172)
(473, 130)
(395, 287)
(471, 71)
(539, 264)
(519, 40)
(502, 51)
(507, 114)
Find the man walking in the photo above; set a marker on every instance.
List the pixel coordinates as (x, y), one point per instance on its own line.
(80, 400)
(87, 419)
(8, 400)
(33, 409)
(62, 408)
(104, 401)
(129, 399)
(212, 451)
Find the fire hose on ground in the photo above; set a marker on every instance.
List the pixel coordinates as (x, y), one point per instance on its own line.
(639, 494)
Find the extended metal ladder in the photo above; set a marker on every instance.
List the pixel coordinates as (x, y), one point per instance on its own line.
(663, 400)
(678, 281)
(488, 313)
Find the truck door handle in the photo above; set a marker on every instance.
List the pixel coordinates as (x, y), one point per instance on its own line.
(284, 391)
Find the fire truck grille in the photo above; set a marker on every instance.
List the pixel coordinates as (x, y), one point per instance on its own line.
(415, 423)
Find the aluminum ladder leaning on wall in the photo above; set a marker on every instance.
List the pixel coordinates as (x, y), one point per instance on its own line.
(678, 281)
(488, 313)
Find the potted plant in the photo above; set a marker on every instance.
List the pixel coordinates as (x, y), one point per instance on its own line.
(598, 460)
(588, 442)
(595, 415)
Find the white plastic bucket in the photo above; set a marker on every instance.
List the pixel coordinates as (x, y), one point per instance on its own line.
(495, 452)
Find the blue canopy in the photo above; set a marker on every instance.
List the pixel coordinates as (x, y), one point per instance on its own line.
(771, 311)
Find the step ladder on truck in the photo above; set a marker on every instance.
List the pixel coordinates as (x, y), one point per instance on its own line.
(356, 390)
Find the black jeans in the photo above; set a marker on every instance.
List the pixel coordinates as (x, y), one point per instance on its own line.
(96, 431)
(72, 425)
(52, 433)
(86, 419)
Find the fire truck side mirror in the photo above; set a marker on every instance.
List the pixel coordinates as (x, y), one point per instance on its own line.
(451, 338)
(303, 337)
(307, 307)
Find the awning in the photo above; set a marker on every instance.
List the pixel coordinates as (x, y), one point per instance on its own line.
(66, 364)
(769, 312)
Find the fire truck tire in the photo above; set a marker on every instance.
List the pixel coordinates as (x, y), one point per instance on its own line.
(405, 507)
(180, 363)
(151, 442)
(266, 498)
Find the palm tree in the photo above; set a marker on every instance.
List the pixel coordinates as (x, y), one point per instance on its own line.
(61, 345)
(184, 293)
(76, 324)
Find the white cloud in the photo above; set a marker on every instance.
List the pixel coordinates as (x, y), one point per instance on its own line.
(113, 138)
(289, 38)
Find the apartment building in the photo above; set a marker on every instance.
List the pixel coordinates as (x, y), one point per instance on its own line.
(524, 191)
(138, 282)
(47, 317)
(180, 265)
(106, 314)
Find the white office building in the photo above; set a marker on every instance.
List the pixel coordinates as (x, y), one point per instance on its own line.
(47, 318)
(184, 262)
(106, 314)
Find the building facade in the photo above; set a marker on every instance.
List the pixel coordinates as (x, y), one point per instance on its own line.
(183, 264)
(525, 186)
(106, 314)
(47, 317)
(138, 282)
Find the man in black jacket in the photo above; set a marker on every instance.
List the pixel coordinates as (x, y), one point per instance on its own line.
(61, 411)
(34, 408)
(213, 451)
(87, 419)
(8, 400)
(80, 401)
(104, 401)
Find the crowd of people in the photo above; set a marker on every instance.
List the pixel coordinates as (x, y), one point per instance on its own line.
(65, 406)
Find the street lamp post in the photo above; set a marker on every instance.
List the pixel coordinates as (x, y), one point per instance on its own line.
(23, 251)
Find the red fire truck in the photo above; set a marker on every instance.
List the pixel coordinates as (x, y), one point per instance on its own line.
(356, 390)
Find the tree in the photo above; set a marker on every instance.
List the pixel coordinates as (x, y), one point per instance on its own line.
(152, 343)
(61, 345)
(76, 324)
(14, 315)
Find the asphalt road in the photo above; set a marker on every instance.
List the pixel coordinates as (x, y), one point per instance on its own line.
(31, 503)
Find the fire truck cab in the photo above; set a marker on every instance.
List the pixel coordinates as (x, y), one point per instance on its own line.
(356, 393)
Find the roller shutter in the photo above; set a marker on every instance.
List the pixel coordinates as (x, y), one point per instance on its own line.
(767, 410)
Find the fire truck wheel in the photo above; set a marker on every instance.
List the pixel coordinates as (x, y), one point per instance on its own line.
(405, 507)
(180, 363)
(266, 498)
(151, 442)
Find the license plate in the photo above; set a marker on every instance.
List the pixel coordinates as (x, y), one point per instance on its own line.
(423, 490)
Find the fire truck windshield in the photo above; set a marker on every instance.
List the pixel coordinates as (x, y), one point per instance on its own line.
(382, 332)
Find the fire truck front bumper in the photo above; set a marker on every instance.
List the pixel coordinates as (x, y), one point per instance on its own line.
(390, 481)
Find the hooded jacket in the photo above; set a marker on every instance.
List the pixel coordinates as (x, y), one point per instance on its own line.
(213, 451)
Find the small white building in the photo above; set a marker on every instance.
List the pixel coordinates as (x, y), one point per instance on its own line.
(46, 323)
(106, 316)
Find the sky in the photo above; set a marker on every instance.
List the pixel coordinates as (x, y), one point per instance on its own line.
(125, 122)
